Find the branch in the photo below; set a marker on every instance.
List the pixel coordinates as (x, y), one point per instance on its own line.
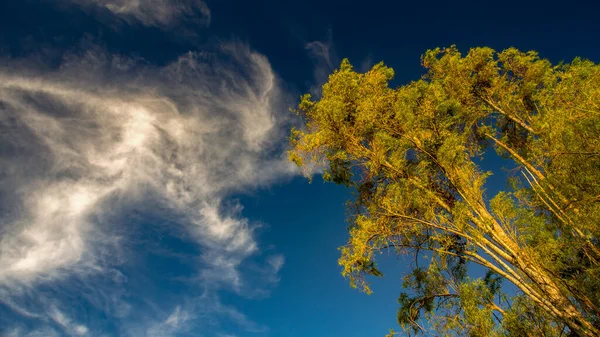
(509, 116)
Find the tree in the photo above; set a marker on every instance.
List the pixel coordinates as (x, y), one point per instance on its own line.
(411, 155)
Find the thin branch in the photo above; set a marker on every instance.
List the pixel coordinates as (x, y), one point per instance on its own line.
(508, 115)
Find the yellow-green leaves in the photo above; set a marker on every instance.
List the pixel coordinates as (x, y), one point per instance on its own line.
(411, 153)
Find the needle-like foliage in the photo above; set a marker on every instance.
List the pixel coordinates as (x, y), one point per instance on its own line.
(412, 155)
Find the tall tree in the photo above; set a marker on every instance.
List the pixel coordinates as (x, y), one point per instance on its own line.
(411, 153)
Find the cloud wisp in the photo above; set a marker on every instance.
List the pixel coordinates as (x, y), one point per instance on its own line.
(160, 13)
(81, 144)
(173, 324)
(325, 60)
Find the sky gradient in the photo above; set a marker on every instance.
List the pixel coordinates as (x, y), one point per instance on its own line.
(144, 187)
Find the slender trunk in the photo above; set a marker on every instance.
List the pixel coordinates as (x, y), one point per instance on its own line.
(566, 311)
(561, 306)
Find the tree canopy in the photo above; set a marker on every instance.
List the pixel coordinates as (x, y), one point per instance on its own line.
(413, 156)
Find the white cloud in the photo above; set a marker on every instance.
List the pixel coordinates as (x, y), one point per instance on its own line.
(66, 323)
(325, 60)
(176, 322)
(205, 314)
(322, 52)
(212, 306)
(82, 142)
(44, 332)
(54, 321)
(155, 12)
(276, 262)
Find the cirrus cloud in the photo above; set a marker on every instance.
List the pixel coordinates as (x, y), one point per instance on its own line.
(84, 144)
(154, 12)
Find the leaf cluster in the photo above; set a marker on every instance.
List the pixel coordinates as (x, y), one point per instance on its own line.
(411, 154)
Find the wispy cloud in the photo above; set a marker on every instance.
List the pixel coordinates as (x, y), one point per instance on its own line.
(176, 322)
(66, 323)
(82, 143)
(325, 60)
(155, 12)
(44, 332)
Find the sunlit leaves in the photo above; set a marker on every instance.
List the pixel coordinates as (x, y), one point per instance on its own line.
(411, 153)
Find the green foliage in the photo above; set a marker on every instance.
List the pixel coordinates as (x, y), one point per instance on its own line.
(411, 154)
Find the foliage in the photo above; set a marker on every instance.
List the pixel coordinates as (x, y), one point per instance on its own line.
(411, 155)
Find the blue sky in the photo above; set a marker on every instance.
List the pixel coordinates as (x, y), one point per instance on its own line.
(144, 189)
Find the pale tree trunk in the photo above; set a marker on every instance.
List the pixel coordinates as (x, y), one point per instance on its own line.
(561, 307)
(550, 296)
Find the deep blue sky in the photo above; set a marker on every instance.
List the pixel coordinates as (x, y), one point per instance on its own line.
(157, 272)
